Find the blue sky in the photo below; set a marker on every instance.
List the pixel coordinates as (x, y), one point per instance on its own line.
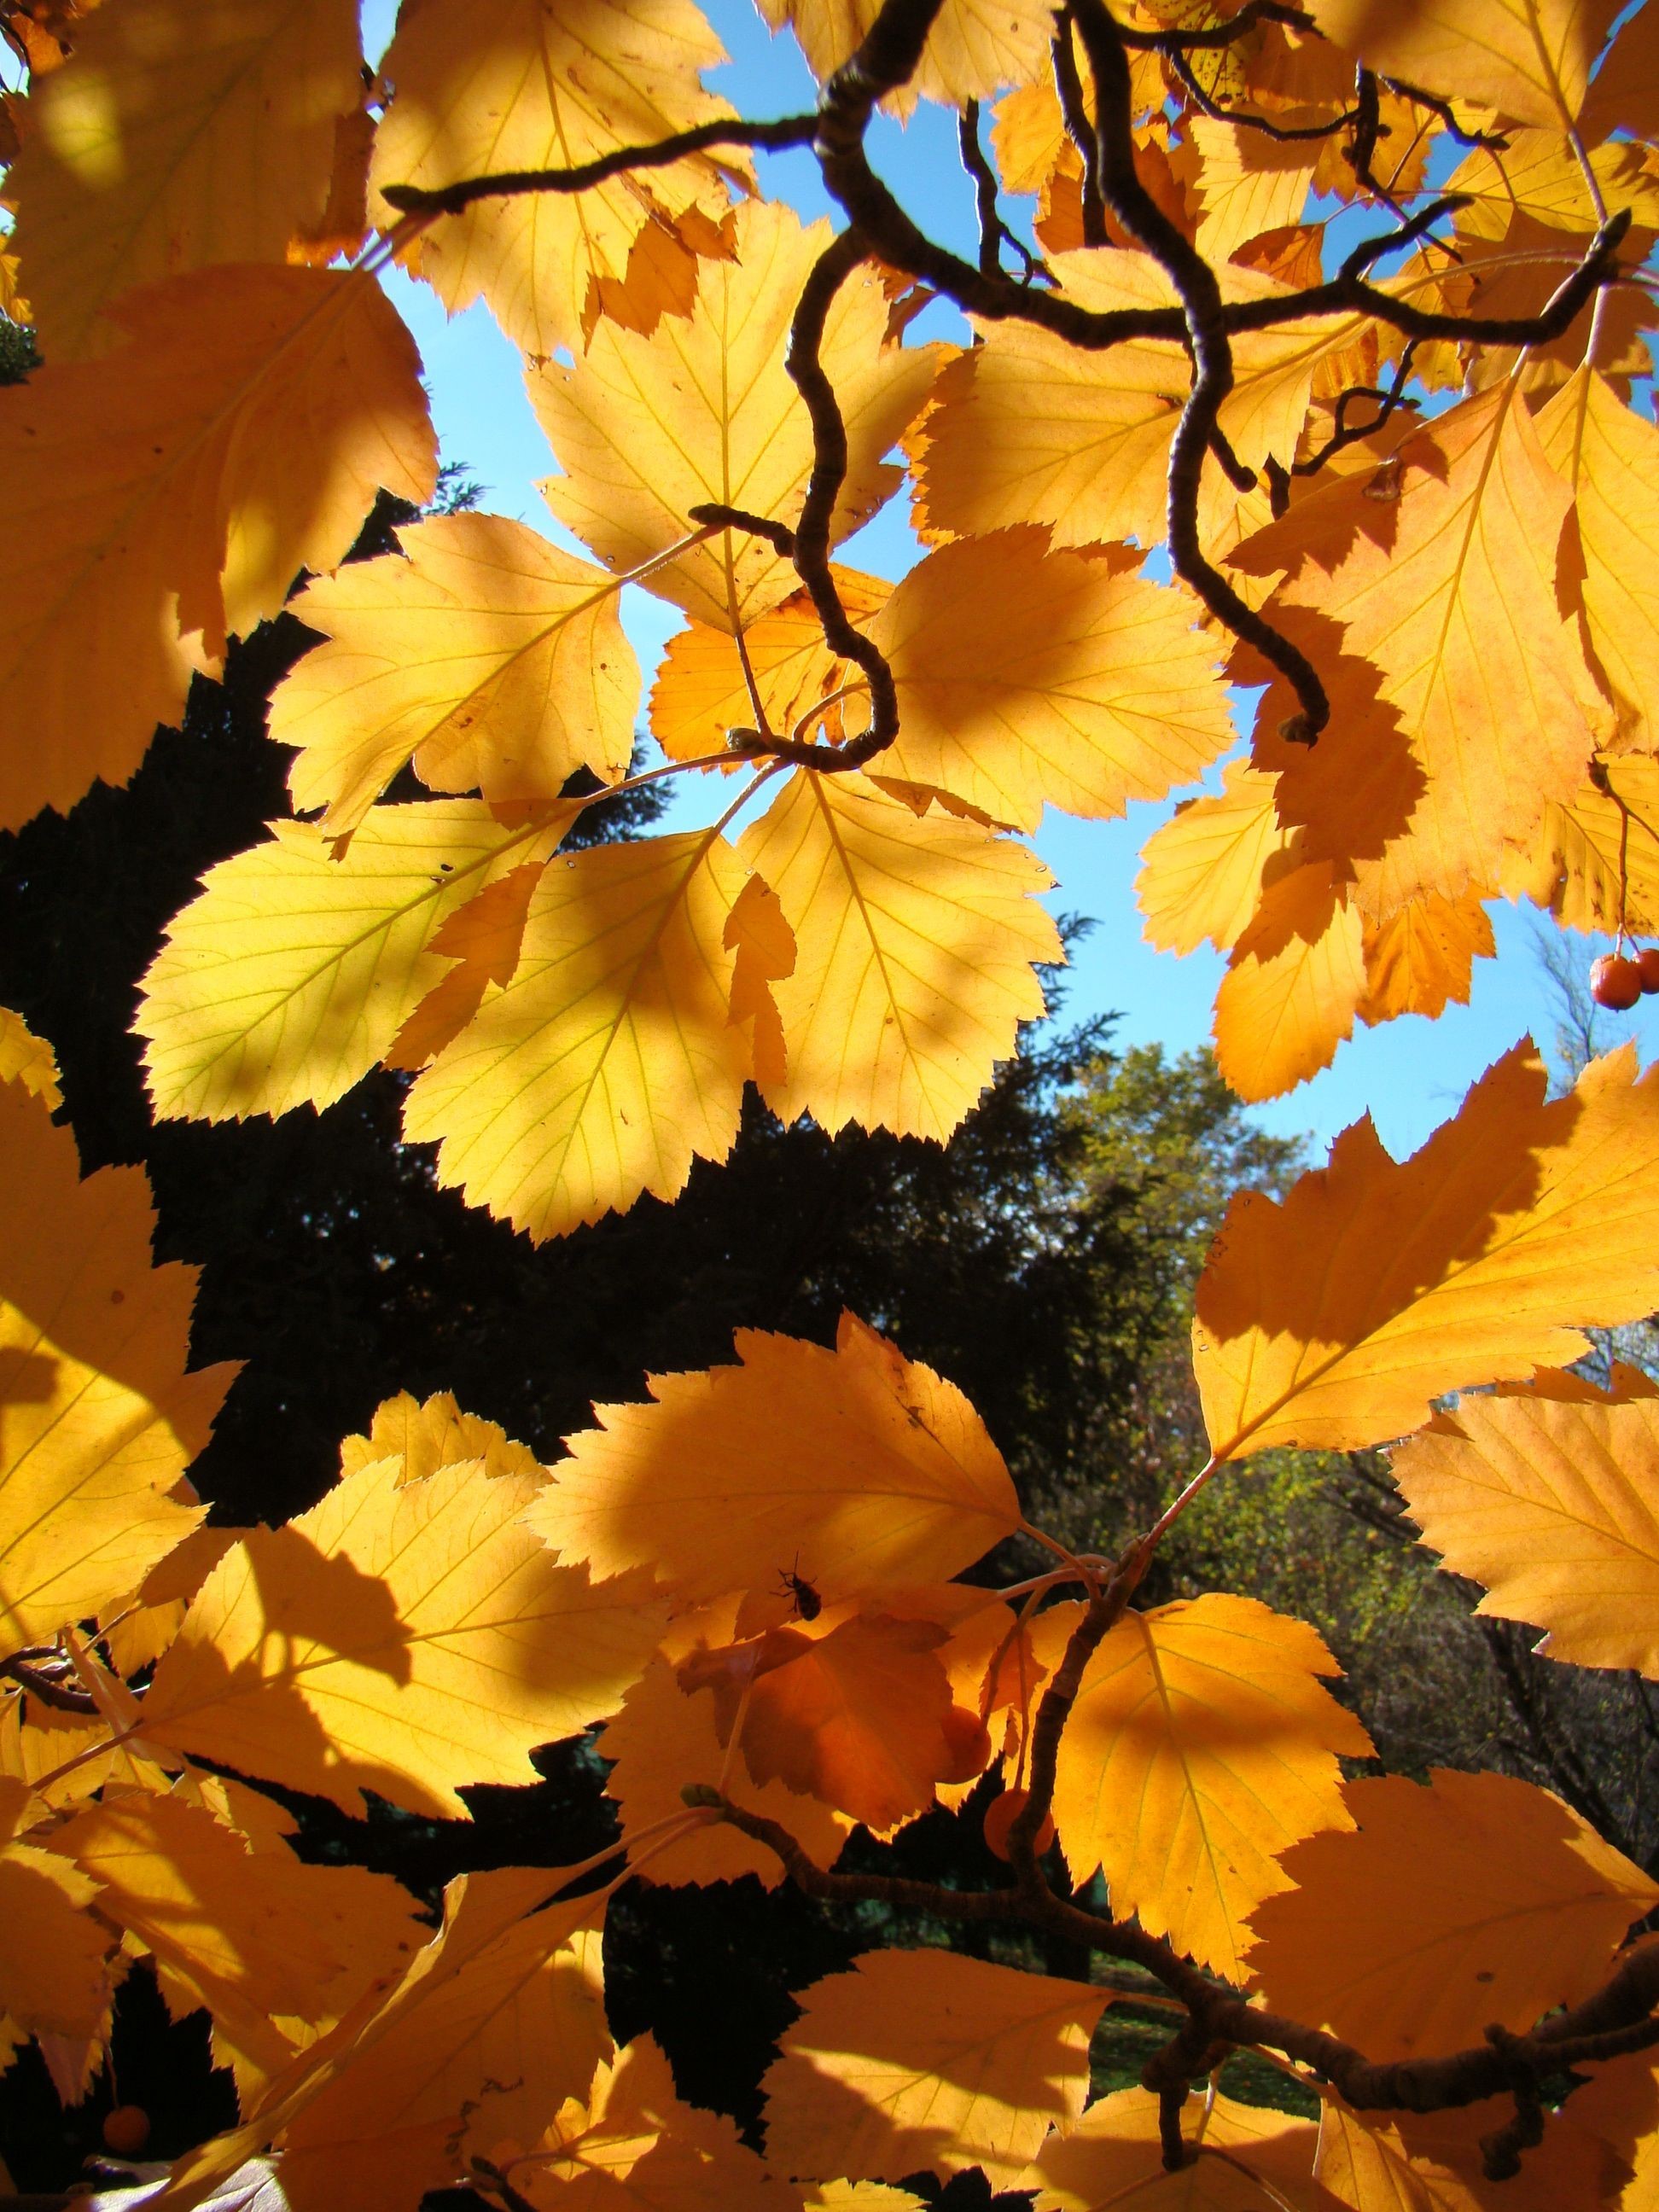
(1411, 1073)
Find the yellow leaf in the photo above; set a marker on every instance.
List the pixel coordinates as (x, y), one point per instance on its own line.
(610, 1060)
(240, 435)
(1333, 1319)
(1025, 677)
(858, 2196)
(1422, 956)
(1293, 985)
(888, 1478)
(55, 1968)
(1241, 2158)
(426, 1437)
(400, 1637)
(146, 1621)
(98, 1417)
(917, 942)
(27, 1060)
(293, 972)
(924, 2058)
(1250, 183)
(484, 654)
(1555, 1508)
(701, 693)
(484, 938)
(1478, 1897)
(1622, 97)
(1210, 1719)
(1202, 874)
(1443, 575)
(176, 137)
(646, 429)
(975, 48)
(1432, 2162)
(1595, 865)
(1610, 455)
(1539, 174)
(512, 84)
(1530, 58)
(1026, 427)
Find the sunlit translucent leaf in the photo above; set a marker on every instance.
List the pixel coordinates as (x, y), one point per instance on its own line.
(1250, 183)
(1293, 985)
(1211, 1719)
(55, 1968)
(974, 49)
(611, 1059)
(927, 2059)
(1554, 1507)
(1243, 2158)
(1423, 956)
(426, 1436)
(292, 973)
(856, 1468)
(240, 435)
(27, 1060)
(1431, 2162)
(1529, 57)
(98, 1417)
(1478, 1897)
(484, 654)
(1202, 874)
(174, 137)
(916, 940)
(401, 1636)
(648, 428)
(1335, 1318)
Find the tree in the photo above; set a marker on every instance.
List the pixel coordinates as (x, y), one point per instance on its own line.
(1408, 490)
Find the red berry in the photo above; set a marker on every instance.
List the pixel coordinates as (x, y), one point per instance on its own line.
(126, 2129)
(1615, 982)
(999, 1816)
(1647, 960)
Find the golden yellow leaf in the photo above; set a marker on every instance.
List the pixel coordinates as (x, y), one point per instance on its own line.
(1026, 427)
(858, 2196)
(1408, 2163)
(293, 972)
(1625, 96)
(1443, 575)
(1477, 1897)
(611, 1059)
(1248, 183)
(516, 85)
(30, 1750)
(926, 2058)
(241, 433)
(1422, 956)
(1596, 863)
(1610, 456)
(1025, 676)
(646, 429)
(484, 938)
(258, 1927)
(27, 1060)
(101, 1419)
(1243, 2158)
(436, 1434)
(489, 658)
(1555, 1508)
(342, 229)
(173, 138)
(401, 1636)
(701, 692)
(55, 1963)
(975, 48)
(635, 2146)
(888, 1480)
(1530, 58)
(1210, 1720)
(1202, 874)
(917, 944)
(146, 1621)
(1539, 174)
(1293, 985)
(1333, 1319)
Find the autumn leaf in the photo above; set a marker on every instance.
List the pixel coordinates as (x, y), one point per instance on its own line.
(1530, 58)
(1478, 1897)
(646, 429)
(294, 971)
(1210, 1718)
(1202, 874)
(435, 1434)
(610, 1060)
(1423, 957)
(101, 1418)
(1332, 1319)
(973, 50)
(929, 2059)
(1410, 2162)
(401, 1636)
(1244, 2157)
(27, 1060)
(514, 85)
(856, 1468)
(242, 432)
(1025, 676)
(1554, 1507)
(57, 1973)
(174, 138)
(1250, 183)
(917, 942)
(489, 658)
(1293, 986)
